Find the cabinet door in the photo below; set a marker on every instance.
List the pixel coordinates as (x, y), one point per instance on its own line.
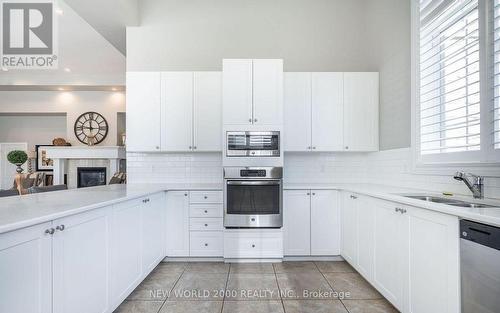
(365, 226)
(143, 111)
(177, 224)
(267, 92)
(297, 222)
(349, 246)
(361, 99)
(125, 249)
(433, 267)
(207, 111)
(26, 270)
(80, 263)
(177, 111)
(388, 275)
(153, 231)
(237, 91)
(297, 111)
(325, 223)
(327, 111)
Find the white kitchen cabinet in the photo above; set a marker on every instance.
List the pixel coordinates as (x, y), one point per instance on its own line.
(252, 92)
(177, 224)
(153, 231)
(143, 111)
(311, 224)
(361, 107)
(207, 114)
(253, 244)
(26, 270)
(80, 263)
(125, 249)
(365, 230)
(349, 227)
(267, 92)
(177, 111)
(390, 238)
(327, 111)
(325, 223)
(432, 267)
(297, 111)
(297, 222)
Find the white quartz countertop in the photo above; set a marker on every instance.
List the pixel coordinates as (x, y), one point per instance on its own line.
(489, 216)
(27, 210)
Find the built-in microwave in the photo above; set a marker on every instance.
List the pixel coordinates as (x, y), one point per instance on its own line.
(253, 144)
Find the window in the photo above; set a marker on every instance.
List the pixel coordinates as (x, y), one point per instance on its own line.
(455, 106)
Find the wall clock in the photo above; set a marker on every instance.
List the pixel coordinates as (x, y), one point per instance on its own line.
(91, 128)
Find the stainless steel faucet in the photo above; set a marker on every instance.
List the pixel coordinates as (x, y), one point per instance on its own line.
(473, 182)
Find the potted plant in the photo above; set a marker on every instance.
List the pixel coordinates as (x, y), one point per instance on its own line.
(18, 158)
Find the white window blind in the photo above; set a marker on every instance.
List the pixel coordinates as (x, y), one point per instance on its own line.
(496, 72)
(449, 106)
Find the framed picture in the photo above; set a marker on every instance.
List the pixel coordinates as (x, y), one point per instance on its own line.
(42, 162)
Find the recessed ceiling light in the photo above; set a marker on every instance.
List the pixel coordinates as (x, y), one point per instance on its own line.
(59, 11)
(67, 69)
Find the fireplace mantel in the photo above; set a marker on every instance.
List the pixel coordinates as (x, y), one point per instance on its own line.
(60, 155)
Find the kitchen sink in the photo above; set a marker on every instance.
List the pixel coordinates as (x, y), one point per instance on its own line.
(448, 201)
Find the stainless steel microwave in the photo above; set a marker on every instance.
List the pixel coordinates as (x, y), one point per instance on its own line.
(253, 144)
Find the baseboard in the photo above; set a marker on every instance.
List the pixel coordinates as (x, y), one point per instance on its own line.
(249, 260)
(253, 260)
(193, 259)
(313, 258)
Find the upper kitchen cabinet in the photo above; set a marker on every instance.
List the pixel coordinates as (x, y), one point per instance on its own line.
(143, 111)
(297, 113)
(174, 111)
(207, 117)
(331, 111)
(327, 111)
(361, 117)
(177, 111)
(252, 92)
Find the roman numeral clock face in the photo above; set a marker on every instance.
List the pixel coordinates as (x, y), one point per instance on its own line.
(91, 128)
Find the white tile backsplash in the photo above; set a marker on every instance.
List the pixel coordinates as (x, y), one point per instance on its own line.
(391, 167)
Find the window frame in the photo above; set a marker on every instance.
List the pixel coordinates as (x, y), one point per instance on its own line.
(485, 161)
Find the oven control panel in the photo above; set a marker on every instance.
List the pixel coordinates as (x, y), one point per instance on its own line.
(253, 173)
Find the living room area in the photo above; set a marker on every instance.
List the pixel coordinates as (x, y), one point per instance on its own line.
(65, 128)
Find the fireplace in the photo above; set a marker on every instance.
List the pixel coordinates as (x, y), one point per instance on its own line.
(91, 176)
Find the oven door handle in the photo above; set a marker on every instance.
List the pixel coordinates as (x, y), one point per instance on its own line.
(254, 183)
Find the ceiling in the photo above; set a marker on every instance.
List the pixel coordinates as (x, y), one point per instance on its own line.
(86, 58)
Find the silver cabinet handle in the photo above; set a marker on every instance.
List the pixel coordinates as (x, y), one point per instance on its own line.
(255, 120)
(194, 148)
(206, 211)
(206, 245)
(50, 231)
(250, 120)
(314, 148)
(253, 246)
(205, 197)
(354, 197)
(396, 209)
(206, 225)
(403, 211)
(347, 147)
(190, 148)
(157, 147)
(314, 193)
(309, 148)
(60, 227)
(308, 194)
(185, 194)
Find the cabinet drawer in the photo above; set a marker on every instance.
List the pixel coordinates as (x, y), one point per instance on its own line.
(205, 210)
(206, 243)
(258, 245)
(205, 197)
(206, 224)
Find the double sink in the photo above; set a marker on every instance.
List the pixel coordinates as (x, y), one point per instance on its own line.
(450, 201)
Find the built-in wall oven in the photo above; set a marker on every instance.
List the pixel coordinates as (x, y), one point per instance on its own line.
(253, 144)
(253, 197)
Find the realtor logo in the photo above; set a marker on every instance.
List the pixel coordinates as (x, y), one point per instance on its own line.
(28, 34)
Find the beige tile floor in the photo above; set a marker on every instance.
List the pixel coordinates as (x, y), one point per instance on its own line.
(288, 287)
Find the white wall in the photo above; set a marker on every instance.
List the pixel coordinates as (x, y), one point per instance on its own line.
(32, 129)
(310, 35)
(72, 104)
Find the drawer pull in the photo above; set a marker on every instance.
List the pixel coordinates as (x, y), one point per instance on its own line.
(206, 225)
(205, 197)
(206, 245)
(185, 194)
(206, 211)
(252, 219)
(50, 231)
(253, 246)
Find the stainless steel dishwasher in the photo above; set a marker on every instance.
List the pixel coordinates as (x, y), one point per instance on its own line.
(480, 267)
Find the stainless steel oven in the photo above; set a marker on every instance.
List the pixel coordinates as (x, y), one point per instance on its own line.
(253, 197)
(253, 144)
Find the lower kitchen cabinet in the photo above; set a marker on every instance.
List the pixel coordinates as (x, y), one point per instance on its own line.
(177, 224)
(253, 243)
(311, 223)
(206, 244)
(80, 263)
(84, 263)
(26, 270)
(410, 255)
